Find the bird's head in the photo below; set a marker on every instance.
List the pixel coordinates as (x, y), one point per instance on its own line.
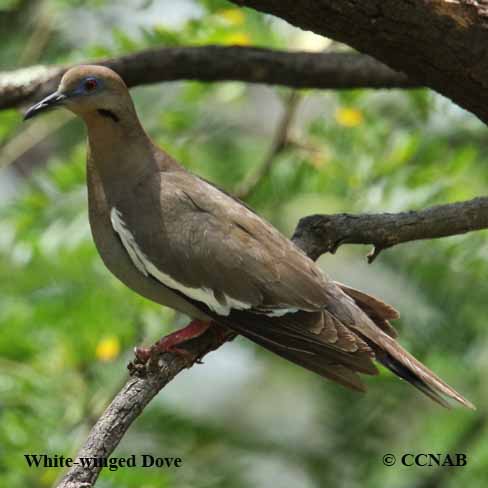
(88, 91)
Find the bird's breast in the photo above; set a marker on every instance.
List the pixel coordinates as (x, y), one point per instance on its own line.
(116, 258)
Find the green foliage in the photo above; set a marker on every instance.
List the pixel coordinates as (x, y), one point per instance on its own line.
(245, 417)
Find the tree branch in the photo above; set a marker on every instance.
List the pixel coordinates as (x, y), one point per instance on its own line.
(316, 235)
(319, 234)
(217, 63)
(129, 403)
(439, 43)
(278, 145)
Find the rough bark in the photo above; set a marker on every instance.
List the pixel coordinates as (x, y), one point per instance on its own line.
(217, 63)
(316, 235)
(129, 403)
(439, 43)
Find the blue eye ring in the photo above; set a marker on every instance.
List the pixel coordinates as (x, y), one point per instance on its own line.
(90, 84)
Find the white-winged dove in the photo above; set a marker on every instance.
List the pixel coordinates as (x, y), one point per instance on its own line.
(181, 242)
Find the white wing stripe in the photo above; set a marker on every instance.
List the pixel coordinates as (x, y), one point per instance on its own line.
(279, 312)
(145, 266)
(128, 241)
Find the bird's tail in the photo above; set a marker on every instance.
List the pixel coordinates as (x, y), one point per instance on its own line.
(392, 355)
(403, 364)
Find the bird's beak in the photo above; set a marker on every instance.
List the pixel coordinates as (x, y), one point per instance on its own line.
(54, 100)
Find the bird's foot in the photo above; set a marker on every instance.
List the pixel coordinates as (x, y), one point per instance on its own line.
(171, 342)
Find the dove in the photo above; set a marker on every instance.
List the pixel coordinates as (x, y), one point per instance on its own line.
(180, 241)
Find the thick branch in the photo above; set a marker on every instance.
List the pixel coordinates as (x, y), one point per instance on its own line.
(439, 43)
(318, 234)
(218, 63)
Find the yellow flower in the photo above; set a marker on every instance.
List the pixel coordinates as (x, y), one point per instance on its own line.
(108, 349)
(238, 39)
(233, 16)
(349, 117)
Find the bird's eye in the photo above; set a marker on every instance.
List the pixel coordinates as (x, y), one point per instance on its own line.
(90, 84)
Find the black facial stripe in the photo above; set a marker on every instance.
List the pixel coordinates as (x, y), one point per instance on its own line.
(107, 113)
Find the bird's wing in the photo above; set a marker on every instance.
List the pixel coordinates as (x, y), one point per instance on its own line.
(238, 269)
(200, 241)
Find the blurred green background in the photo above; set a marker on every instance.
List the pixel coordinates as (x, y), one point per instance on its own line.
(245, 418)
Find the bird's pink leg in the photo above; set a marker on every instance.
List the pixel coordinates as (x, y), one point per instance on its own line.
(171, 342)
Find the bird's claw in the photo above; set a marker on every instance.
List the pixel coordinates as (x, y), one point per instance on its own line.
(147, 357)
